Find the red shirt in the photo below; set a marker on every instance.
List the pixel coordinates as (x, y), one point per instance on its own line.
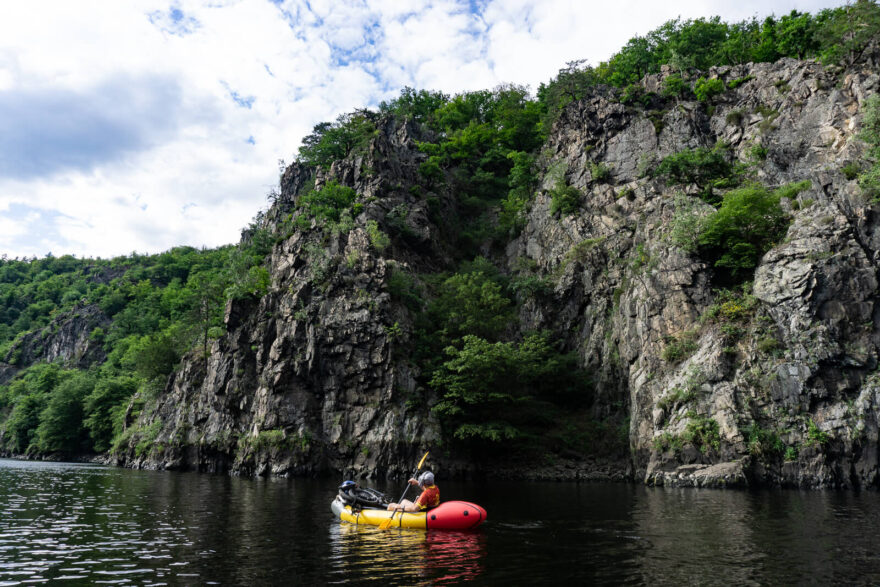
(429, 498)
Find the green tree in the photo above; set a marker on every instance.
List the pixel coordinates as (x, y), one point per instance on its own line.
(674, 87)
(748, 224)
(101, 406)
(245, 277)
(27, 396)
(869, 181)
(631, 63)
(156, 355)
(472, 303)
(697, 44)
(495, 392)
(21, 425)
(796, 35)
(572, 83)
(845, 33)
(564, 199)
(743, 40)
(61, 423)
(870, 132)
(207, 301)
(330, 141)
(521, 181)
(419, 105)
(705, 89)
(327, 203)
(766, 48)
(705, 168)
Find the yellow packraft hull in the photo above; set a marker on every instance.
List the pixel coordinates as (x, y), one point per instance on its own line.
(417, 520)
(449, 515)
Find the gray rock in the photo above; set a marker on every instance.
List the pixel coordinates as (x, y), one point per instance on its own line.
(313, 376)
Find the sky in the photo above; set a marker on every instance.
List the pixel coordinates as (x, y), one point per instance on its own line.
(139, 125)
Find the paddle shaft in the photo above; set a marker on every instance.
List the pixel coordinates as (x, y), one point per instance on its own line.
(405, 489)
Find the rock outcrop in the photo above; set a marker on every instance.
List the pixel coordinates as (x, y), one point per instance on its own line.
(70, 338)
(779, 384)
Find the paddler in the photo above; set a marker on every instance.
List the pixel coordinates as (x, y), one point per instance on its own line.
(429, 498)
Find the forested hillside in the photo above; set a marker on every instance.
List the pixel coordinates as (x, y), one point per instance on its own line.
(464, 271)
(80, 337)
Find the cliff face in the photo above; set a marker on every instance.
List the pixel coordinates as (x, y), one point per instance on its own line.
(799, 378)
(66, 339)
(307, 378)
(777, 384)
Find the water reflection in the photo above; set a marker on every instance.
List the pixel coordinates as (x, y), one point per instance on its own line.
(89, 525)
(692, 531)
(757, 538)
(406, 556)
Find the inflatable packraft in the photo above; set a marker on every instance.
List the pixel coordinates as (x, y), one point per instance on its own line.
(367, 506)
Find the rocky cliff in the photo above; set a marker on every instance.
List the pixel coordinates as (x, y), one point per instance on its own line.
(776, 383)
(68, 338)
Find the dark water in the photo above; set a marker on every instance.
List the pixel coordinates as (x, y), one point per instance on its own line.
(83, 524)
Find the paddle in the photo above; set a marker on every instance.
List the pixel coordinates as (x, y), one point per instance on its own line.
(385, 524)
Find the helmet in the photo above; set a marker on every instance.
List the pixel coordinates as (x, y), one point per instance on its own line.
(346, 485)
(426, 478)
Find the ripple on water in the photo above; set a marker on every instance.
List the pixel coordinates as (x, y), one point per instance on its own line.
(87, 529)
(150, 528)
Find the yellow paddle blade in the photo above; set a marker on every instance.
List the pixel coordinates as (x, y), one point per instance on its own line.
(385, 524)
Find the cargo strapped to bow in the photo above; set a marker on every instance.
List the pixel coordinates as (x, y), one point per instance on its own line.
(363, 497)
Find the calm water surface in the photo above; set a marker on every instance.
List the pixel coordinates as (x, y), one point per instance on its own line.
(86, 524)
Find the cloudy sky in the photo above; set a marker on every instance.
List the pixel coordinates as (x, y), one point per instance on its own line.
(134, 125)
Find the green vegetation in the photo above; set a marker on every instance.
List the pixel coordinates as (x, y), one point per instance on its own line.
(564, 199)
(472, 302)
(329, 202)
(482, 154)
(522, 182)
(836, 35)
(416, 105)
(688, 221)
(378, 239)
(851, 170)
(680, 347)
(840, 35)
(705, 89)
(735, 83)
(734, 117)
(495, 391)
(869, 181)
(815, 436)
(732, 306)
(764, 443)
(685, 393)
(276, 439)
(330, 141)
(702, 433)
(708, 169)
(749, 223)
(600, 172)
(145, 312)
(758, 153)
(674, 87)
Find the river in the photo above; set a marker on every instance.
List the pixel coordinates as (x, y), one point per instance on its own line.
(88, 524)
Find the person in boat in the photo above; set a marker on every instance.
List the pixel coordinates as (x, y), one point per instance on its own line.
(429, 498)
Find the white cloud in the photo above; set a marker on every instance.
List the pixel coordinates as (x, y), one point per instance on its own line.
(204, 96)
